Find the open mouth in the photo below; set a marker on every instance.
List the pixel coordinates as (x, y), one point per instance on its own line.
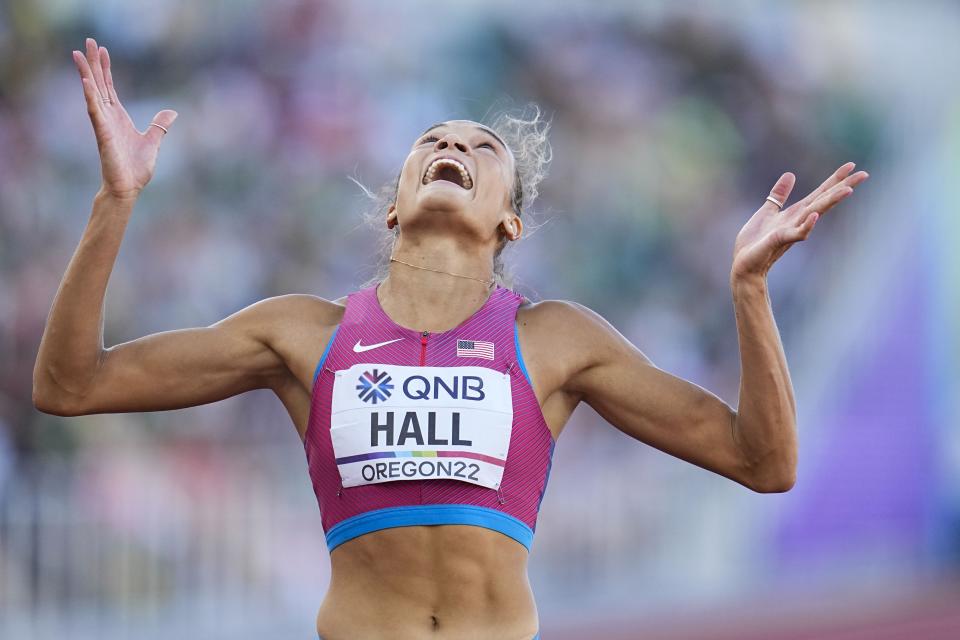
(450, 170)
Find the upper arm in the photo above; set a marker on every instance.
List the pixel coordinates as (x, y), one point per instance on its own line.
(649, 404)
(186, 367)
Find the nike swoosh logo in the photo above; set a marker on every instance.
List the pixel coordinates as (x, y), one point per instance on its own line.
(366, 347)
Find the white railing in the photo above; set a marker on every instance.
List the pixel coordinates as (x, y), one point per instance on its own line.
(115, 545)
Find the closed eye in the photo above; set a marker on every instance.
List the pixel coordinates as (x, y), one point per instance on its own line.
(432, 138)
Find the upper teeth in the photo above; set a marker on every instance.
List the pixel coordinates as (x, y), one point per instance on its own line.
(440, 163)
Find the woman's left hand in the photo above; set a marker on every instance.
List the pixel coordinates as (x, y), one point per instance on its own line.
(771, 231)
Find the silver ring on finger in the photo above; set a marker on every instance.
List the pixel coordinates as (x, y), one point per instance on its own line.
(775, 201)
(105, 100)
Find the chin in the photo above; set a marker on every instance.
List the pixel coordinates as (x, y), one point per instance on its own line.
(445, 216)
(444, 198)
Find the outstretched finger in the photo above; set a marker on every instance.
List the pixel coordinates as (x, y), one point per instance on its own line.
(780, 192)
(83, 66)
(93, 60)
(855, 179)
(107, 74)
(90, 94)
(838, 176)
(827, 200)
(164, 119)
(94, 110)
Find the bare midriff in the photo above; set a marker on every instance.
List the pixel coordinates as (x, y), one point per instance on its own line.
(438, 582)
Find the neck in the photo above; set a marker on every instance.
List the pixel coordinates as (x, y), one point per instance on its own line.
(427, 300)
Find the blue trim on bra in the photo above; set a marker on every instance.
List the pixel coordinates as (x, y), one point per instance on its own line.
(325, 351)
(420, 514)
(546, 481)
(536, 637)
(516, 346)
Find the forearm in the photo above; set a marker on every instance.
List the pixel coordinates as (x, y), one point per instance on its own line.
(765, 427)
(72, 341)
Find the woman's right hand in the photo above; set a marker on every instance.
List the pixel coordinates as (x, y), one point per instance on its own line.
(127, 156)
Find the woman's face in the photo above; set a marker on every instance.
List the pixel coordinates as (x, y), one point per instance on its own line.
(458, 176)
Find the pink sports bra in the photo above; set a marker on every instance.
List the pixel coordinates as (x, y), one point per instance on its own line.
(419, 428)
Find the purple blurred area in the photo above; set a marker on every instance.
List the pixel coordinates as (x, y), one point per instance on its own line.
(670, 123)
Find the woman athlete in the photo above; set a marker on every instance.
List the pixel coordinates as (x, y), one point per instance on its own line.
(429, 403)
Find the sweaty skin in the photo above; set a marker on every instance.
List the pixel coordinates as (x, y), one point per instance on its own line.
(441, 581)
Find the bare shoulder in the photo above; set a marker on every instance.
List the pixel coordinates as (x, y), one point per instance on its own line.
(556, 312)
(560, 321)
(556, 338)
(566, 337)
(298, 316)
(297, 326)
(308, 303)
(314, 308)
(275, 317)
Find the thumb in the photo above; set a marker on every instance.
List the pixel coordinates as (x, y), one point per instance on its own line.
(163, 118)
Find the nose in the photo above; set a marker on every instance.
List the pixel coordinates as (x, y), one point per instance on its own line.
(450, 140)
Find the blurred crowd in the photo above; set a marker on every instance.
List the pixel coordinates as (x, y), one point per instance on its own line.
(666, 137)
(669, 127)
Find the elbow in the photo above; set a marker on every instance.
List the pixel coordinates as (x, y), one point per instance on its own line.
(53, 394)
(779, 482)
(774, 469)
(781, 486)
(50, 401)
(46, 404)
(41, 397)
(43, 404)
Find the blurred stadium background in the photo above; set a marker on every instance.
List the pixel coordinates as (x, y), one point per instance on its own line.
(670, 124)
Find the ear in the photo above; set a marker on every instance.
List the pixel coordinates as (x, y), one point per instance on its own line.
(392, 216)
(513, 227)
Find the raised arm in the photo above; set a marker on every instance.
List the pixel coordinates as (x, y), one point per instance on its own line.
(755, 445)
(647, 403)
(74, 374)
(166, 370)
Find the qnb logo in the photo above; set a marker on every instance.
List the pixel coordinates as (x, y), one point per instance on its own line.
(374, 386)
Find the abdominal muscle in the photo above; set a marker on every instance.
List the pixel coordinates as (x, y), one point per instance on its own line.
(438, 582)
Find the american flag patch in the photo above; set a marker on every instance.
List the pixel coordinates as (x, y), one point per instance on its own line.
(475, 349)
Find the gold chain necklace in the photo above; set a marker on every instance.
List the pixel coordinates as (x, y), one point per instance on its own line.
(489, 283)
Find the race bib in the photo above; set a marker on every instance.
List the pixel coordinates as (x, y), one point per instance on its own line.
(393, 422)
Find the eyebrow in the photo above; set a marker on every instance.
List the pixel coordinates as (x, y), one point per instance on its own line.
(478, 126)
